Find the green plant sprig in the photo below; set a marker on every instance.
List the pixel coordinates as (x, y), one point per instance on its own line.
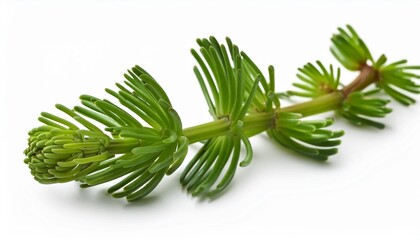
(141, 141)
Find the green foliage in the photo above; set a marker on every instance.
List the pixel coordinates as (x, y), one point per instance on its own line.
(304, 137)
(61, 152)
(265, 99)
(307, 137)
(163, 147)
(397, 79)
(219, 64)
(315, 82)
(140, 155)
(217, 155)
(349, 49)
(231, 98)
(141, 140)
(359, 107)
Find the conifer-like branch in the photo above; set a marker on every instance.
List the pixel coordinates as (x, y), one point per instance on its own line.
(140, 140)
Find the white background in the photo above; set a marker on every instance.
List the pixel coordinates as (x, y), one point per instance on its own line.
(52, 52)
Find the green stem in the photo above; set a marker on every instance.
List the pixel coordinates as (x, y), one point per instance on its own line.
(207, 130)
(318, 105)
(255, 123)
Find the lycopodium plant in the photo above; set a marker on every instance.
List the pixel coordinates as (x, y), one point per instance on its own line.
(137, 142)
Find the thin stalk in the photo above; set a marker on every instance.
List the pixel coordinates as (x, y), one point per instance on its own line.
(318, 105)
(208, 130)
(255, 123)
